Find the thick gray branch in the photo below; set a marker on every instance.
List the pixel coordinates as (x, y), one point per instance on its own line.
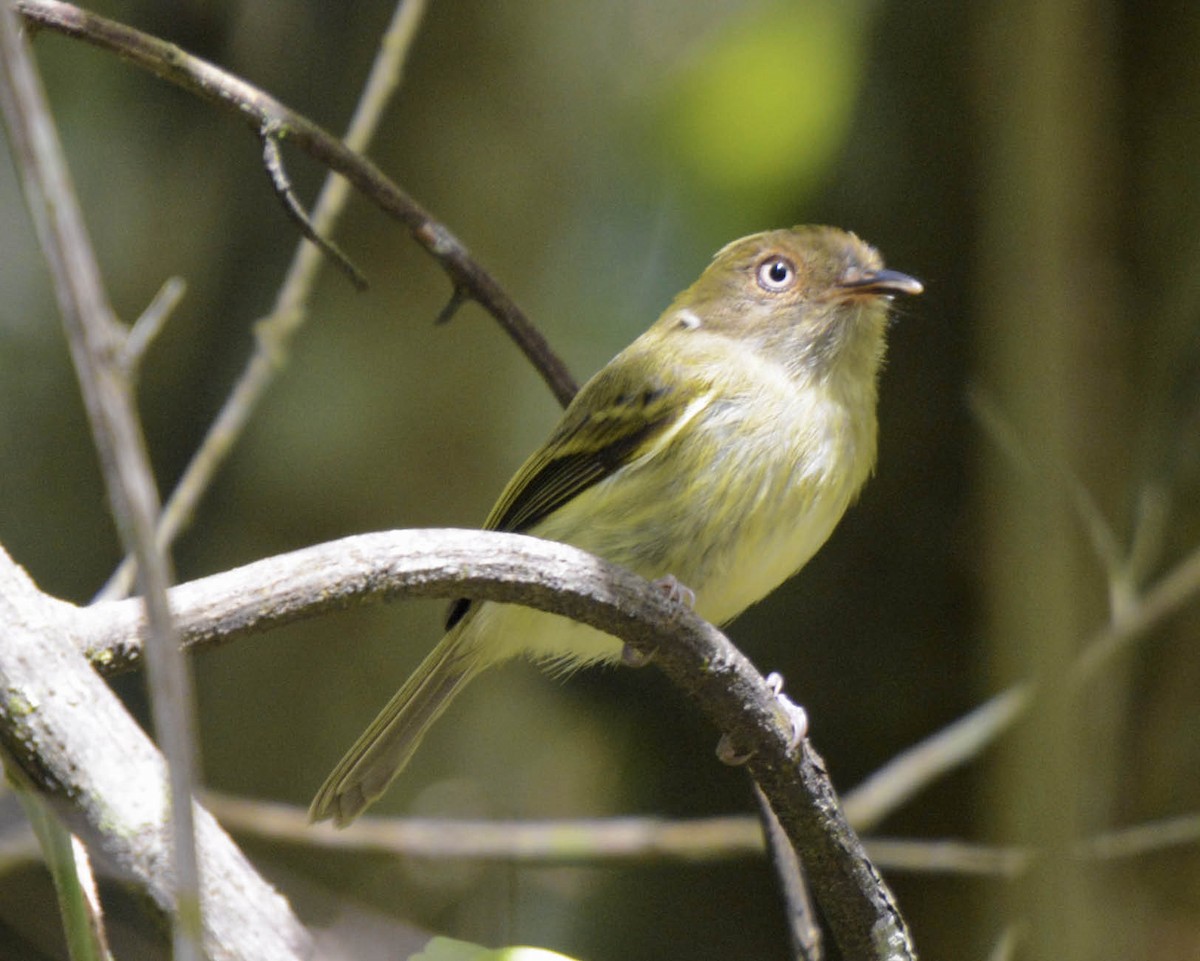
(553, 577)
(66, 732)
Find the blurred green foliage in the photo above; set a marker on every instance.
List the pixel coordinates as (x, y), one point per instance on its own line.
(760, 110)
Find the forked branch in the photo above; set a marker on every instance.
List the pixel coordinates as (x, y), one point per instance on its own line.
(263, 112)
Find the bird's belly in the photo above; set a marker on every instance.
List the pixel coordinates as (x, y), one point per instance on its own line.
(731, 531)
(510, 630)
(758, 562)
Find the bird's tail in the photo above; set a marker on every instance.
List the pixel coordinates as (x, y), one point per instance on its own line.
(384, 748)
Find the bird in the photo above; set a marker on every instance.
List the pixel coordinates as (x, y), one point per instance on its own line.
(716, 453)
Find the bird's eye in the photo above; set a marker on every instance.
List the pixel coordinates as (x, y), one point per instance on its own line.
(776, 274)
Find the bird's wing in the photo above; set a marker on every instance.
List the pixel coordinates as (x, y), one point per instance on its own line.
(615, 419)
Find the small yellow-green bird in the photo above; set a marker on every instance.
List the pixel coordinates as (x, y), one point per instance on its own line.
(720, 448)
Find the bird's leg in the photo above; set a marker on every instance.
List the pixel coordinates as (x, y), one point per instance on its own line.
(792, 714)
(675, 592)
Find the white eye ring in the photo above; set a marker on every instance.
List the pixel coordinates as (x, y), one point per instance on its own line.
(776, 274)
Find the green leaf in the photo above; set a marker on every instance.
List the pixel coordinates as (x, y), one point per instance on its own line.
(448, 949)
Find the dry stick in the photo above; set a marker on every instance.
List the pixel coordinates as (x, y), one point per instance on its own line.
(263, 112)
(148, 325)
(909, 772)
(549, 576)
(630, 840)
(273, 162)
(1178, 586)
(95, 340)
(574, 841)
(64, 730)
(802, 923)
(274, 334)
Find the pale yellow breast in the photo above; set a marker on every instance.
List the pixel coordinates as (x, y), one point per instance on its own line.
(811, 457)
(734, 501)
(739, 498)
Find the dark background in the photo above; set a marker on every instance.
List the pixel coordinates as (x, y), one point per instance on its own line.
(1033, 163)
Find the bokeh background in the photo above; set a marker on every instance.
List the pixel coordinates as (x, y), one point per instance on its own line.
(1032, 162)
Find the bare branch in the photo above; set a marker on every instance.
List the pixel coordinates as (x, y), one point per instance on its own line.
(273, 162)
(261, 111)
(564, 580)
(801, 915)
(1177, 587)
(95, 340)
(603, 840)
(920, 856)
(148, 325)
(63, 730)
(912, 770)
(1142, 838)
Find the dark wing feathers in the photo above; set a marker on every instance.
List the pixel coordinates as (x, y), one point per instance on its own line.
(601, 432)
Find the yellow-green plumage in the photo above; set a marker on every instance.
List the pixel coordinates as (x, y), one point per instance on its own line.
(722, 447)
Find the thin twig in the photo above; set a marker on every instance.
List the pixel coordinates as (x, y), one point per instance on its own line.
(598, 841)
(149, 324)
(1177, 587)
(1007, 944)
(802, 924)
(1142, 838)
(273, 162)
(920, 856)
(258, 109)
(625, 840)
(909, 772)
(90, 326)
(273, 334)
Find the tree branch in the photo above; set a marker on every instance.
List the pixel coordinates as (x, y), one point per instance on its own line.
(282, 183)
(564, 580)
(263, 112)
(273, 334)
(64, 730)
(575, 841)
(97, 345)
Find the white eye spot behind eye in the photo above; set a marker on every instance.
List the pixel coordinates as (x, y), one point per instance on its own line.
(776, 274)
(688, 320)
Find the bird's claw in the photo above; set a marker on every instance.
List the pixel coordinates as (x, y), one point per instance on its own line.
(632, 657)
(728, 754)
(676, 592)
(792, 714)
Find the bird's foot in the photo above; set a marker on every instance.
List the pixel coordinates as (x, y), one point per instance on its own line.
(632, 657)
(676, 592)
(791, 713)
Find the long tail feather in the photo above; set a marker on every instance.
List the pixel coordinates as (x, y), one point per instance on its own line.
(384, 748)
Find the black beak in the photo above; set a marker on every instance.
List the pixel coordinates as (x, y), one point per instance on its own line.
(887, 282)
